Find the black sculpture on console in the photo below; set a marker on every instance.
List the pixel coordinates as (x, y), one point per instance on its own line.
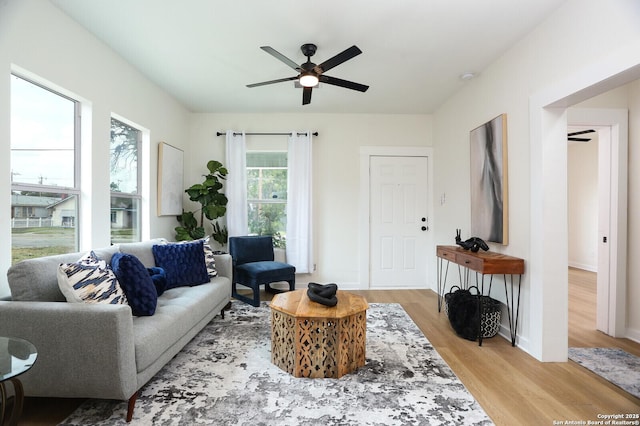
(474, 243)
(323, 294)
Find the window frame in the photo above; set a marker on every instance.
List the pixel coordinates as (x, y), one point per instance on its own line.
(77, 146)
(269, 201)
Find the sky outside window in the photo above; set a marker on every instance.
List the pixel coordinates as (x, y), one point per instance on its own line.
(42, 136)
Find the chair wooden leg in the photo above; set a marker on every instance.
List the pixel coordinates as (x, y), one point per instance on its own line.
(131, 406)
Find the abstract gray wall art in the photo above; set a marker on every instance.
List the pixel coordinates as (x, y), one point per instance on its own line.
(489, 190)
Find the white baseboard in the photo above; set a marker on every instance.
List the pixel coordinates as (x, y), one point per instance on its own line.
(633, 334)
(583, 266)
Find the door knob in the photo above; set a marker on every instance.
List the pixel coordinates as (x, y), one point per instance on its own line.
(424, 228)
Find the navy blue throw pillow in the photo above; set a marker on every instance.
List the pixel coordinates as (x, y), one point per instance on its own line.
(183, 263)
(159, 278)
(136, 283)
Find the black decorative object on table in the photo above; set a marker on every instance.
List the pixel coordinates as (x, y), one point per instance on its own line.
(324, 294)
(474, 243)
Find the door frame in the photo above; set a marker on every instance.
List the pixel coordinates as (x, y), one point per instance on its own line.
(366, 152)
(611, 291)
(547, 265)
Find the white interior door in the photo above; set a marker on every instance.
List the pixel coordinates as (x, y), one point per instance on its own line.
(398, 221)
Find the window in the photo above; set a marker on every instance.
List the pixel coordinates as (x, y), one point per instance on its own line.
(125, 182)
(44, 171)
(267, 194)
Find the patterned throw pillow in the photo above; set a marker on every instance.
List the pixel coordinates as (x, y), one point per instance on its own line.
(136, 283)
(209, 260)
(183, 263)
(90, 280)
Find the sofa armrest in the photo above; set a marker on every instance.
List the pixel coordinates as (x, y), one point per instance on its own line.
(224, 265)
(84, 350)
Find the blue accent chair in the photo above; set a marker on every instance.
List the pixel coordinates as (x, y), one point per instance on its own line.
(253, 266)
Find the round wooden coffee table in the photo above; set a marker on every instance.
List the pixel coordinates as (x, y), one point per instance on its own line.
(312, 340)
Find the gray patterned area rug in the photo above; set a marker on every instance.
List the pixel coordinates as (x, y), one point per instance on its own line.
(224, 376)
(615, 365)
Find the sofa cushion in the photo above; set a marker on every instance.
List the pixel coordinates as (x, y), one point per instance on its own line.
(37, 279)
(136, 282)
(90, 280)
(183, 263)
(154, 335)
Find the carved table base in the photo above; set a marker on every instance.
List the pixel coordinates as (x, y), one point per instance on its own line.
(312, 340)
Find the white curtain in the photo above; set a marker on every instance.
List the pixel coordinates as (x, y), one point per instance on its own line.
(236, 184)
(299, 196)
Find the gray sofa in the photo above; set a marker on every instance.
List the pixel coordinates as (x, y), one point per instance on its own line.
(102, 350)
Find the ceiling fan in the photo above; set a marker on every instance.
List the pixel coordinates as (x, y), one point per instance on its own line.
(310, 74)
(571, 136)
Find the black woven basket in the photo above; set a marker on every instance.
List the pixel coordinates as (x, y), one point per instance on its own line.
(491, 315)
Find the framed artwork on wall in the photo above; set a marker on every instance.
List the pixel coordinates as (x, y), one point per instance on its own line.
(489, 186)
(170, 180)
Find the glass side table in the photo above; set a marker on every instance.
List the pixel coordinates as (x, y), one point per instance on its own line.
(16, 357)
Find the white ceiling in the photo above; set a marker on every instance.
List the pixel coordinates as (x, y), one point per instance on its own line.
(205, 52)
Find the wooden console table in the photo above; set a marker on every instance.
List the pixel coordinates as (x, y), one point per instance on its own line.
(484, 263)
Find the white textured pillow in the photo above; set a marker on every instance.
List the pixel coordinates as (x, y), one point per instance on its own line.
(90, 280)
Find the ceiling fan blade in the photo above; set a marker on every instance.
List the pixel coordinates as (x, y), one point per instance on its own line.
(581, 132)
(306, 96)
(579, 139)
(273, 52)
(338, 59)
(343, 83)
(280, 80)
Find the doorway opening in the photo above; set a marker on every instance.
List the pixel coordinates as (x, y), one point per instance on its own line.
(596, 193)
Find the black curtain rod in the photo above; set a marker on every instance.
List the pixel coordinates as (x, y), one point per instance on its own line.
(266, 134)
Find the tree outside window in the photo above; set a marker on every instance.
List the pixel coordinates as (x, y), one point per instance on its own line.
(267, 195)
(125, 182)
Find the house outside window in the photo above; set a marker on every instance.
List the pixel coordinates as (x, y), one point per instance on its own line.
(267, 194)
(45, 184)
(125, 181)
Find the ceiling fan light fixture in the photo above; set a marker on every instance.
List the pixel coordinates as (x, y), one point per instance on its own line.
(308, 80)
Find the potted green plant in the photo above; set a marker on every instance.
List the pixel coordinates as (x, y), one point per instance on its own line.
(213, 206)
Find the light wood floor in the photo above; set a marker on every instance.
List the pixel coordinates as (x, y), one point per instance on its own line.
(511, 386)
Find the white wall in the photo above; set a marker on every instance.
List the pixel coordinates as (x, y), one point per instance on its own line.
(336, 168)
(36, 38)
(582, 197)
(550, 58)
